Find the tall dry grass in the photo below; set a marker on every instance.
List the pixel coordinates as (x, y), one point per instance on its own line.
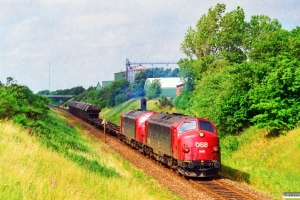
(29, 170)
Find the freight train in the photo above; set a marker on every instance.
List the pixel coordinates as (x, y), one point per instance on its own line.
(189, 145)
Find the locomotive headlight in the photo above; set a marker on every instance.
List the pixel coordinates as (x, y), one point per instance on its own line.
(217, 164)
(201, 134)
(186, 149)
(216, 148)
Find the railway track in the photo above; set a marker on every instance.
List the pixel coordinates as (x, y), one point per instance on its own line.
(220, 190)
(213, 187)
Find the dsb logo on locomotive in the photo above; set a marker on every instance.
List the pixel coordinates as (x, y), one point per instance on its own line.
(201, 144)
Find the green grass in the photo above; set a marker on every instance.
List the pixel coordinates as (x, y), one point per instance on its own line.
(268, 164)
(66, 140)
(60, 161)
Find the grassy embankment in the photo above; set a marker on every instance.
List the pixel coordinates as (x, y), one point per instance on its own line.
(267, 164)
(74, 165)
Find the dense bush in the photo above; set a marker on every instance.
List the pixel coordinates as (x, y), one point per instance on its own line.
(165, 102)
(20, 104)
(275, 99)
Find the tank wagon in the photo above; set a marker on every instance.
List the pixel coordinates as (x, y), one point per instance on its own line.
(187, 144)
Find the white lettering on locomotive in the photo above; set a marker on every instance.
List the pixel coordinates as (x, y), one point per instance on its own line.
(201, 144)
(201, 151)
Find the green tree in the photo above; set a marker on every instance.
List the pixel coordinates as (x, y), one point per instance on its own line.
(200, 43)
(154, 89)
(43, 92)
(222, 96)
(271, 45)
(216, 41)
(259, 26)
(275, 99)
(231, 35)
(116, 88)
(138, 85)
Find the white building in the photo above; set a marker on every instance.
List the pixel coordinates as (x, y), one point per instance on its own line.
(168, 85)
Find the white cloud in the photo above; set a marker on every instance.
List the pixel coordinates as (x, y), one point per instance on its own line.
(88, 41)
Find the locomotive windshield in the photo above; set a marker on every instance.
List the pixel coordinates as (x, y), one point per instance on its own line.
(206, 126)
(189, 125)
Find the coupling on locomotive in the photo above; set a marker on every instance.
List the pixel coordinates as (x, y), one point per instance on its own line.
(189, 145)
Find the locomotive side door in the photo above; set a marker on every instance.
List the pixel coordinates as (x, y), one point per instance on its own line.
(174, 143)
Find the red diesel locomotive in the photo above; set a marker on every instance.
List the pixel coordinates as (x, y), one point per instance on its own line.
(188, 144)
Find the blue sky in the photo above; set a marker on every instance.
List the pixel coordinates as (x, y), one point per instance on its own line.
(87, 41)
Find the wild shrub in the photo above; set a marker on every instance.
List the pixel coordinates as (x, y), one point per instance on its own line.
(164, 102)
(229, 145)
(22, 119)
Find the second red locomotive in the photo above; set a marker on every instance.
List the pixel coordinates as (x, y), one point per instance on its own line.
(188, 144)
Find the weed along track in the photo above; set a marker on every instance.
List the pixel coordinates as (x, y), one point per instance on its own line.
(185, 187)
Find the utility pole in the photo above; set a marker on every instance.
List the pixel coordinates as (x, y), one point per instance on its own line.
(104, 122)
(49, 78)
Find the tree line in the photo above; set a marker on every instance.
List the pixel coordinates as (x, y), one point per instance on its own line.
(240, 73)
(120, 91)
(73, 91)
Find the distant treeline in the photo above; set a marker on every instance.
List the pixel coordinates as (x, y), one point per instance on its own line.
(73, 91)
(120, 91)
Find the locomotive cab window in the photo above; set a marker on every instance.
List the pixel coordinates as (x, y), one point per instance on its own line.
(189, 125)
(206, 126)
